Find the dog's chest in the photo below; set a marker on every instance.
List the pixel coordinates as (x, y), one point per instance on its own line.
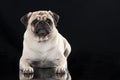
(41, 47)
(47, 58)
(46, 50)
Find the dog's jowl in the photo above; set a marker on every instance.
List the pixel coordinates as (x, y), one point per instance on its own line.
(43, 45)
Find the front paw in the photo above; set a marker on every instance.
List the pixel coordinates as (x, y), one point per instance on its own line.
(27, 69)
(60, 69)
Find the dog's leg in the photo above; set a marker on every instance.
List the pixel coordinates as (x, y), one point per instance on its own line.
(62, 62)
(25, 66)
(62, 65)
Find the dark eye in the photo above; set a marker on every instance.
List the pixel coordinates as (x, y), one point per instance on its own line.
(34, 22)
(48, 21)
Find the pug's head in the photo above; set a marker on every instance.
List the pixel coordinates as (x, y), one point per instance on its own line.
(41, 23)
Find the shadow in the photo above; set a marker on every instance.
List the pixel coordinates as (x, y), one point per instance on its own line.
(45, 74)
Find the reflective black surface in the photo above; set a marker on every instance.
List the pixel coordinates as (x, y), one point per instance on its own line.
(45, 74)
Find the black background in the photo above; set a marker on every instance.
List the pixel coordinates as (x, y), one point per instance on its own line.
(92, 27)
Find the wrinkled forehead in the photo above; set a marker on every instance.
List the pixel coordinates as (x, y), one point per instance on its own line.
(40, 14)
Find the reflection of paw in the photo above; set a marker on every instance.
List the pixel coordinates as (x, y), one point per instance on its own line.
(28, 76)
(60, 69)
(27, 69)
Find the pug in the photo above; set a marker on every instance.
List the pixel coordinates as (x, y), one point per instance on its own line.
(43, 45)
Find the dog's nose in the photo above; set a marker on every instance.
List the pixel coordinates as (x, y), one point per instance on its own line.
(42, 28)
(40, 32)
(45, 26)
(42, 23)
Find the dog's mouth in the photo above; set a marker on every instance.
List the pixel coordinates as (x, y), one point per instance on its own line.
(42, 28)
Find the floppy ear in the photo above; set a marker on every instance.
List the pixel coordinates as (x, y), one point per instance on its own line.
(55, 17)
(24, 19)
